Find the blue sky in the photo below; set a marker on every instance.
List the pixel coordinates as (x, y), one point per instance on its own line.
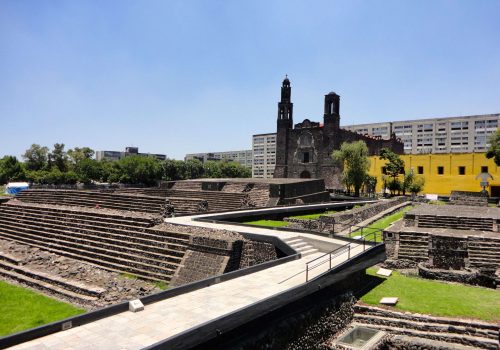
(178, 77)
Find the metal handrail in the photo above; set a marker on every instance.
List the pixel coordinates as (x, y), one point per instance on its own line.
(340, 250)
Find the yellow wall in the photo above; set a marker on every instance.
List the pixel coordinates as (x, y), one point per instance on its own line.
(450, 180)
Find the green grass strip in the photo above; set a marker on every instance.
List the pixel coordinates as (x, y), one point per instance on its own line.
(21, 309)
(267, 223)
(313, 216)
(381, 224)
(437, 298)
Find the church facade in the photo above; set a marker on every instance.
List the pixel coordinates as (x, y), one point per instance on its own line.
(304, 150)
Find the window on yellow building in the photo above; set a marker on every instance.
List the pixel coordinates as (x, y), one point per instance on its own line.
(383, 170)
(420, 170)
(461, 170)
(484, 169)
(440, 170)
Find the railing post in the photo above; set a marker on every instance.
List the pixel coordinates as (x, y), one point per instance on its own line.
(348, 252)
(330, 261)
(364, 240)
(307, 273)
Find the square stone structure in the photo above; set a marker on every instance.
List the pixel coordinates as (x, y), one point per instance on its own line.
(304, 150)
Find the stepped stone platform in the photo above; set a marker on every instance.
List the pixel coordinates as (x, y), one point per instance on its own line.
(120, 242)
(479, 199)
(448, 238)
(93, 199)
(234, 194)
(67, 279)
(454, 332)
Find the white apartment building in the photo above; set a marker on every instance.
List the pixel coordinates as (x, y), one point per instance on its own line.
(129, 151)
(264, 155)
(437, 135)
(243, 157)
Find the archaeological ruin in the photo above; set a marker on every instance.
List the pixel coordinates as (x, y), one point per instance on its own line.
(231, 285)
(448, 242)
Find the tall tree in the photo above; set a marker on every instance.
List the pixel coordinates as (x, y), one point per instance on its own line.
(58, 157)
(36, 157)
(11, 170)
(88, 170)
(353, 157)
(394, 167)
(78, 154)
(494, 150)
(139, 170)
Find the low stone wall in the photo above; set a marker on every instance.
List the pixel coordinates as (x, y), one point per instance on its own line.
(338, 222)
(308, 198)
(479, 199)
(467, 276)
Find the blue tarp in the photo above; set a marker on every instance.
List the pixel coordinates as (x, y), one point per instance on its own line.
(16, 187)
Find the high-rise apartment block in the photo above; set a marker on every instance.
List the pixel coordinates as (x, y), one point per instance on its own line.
(243, 157)
(264, 155)
(466, 134)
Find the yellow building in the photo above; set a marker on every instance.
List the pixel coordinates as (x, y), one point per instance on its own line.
(444, 173)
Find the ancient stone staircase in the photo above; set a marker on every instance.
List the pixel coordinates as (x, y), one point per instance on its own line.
(129, 202)
(478, 334)
(484, 252)
(459, 223)
(187, 185)
(301, 246)
(217, 200)
(121, 245)
(413, 246)
(234, 187)
(53, 284)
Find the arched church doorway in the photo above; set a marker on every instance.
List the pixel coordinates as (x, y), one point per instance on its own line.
(305, 175)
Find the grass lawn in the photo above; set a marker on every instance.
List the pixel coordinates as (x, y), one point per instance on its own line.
(313, 216)
(21, 309)
(434, 297)
(382, 224)
(267, 223)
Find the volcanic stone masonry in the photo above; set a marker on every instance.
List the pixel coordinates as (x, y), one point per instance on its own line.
(304, 151)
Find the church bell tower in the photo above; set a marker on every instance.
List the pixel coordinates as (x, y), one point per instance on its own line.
(284, 125)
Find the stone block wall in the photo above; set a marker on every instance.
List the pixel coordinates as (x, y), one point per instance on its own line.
(448, 252)
(479, 199)
(214, 252)
(341, 221)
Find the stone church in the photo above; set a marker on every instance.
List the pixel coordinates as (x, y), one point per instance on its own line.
(304, 150)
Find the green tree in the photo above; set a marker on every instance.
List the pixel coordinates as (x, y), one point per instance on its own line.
(212, 169)
(494, 149)
(58, 157)
(173, 170)
(394, 167)
(76, 155)
(36, 157)
(417, 185)
(110, 171)
(11, 170)
(353, 157)
(88, 170)
(407, 181)
(139, 170)
(231, 169)
(193, 169)
(370, 184)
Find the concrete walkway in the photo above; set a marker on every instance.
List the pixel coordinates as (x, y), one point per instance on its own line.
(172, 316)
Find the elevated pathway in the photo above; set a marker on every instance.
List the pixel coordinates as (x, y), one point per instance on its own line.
(171, 317)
